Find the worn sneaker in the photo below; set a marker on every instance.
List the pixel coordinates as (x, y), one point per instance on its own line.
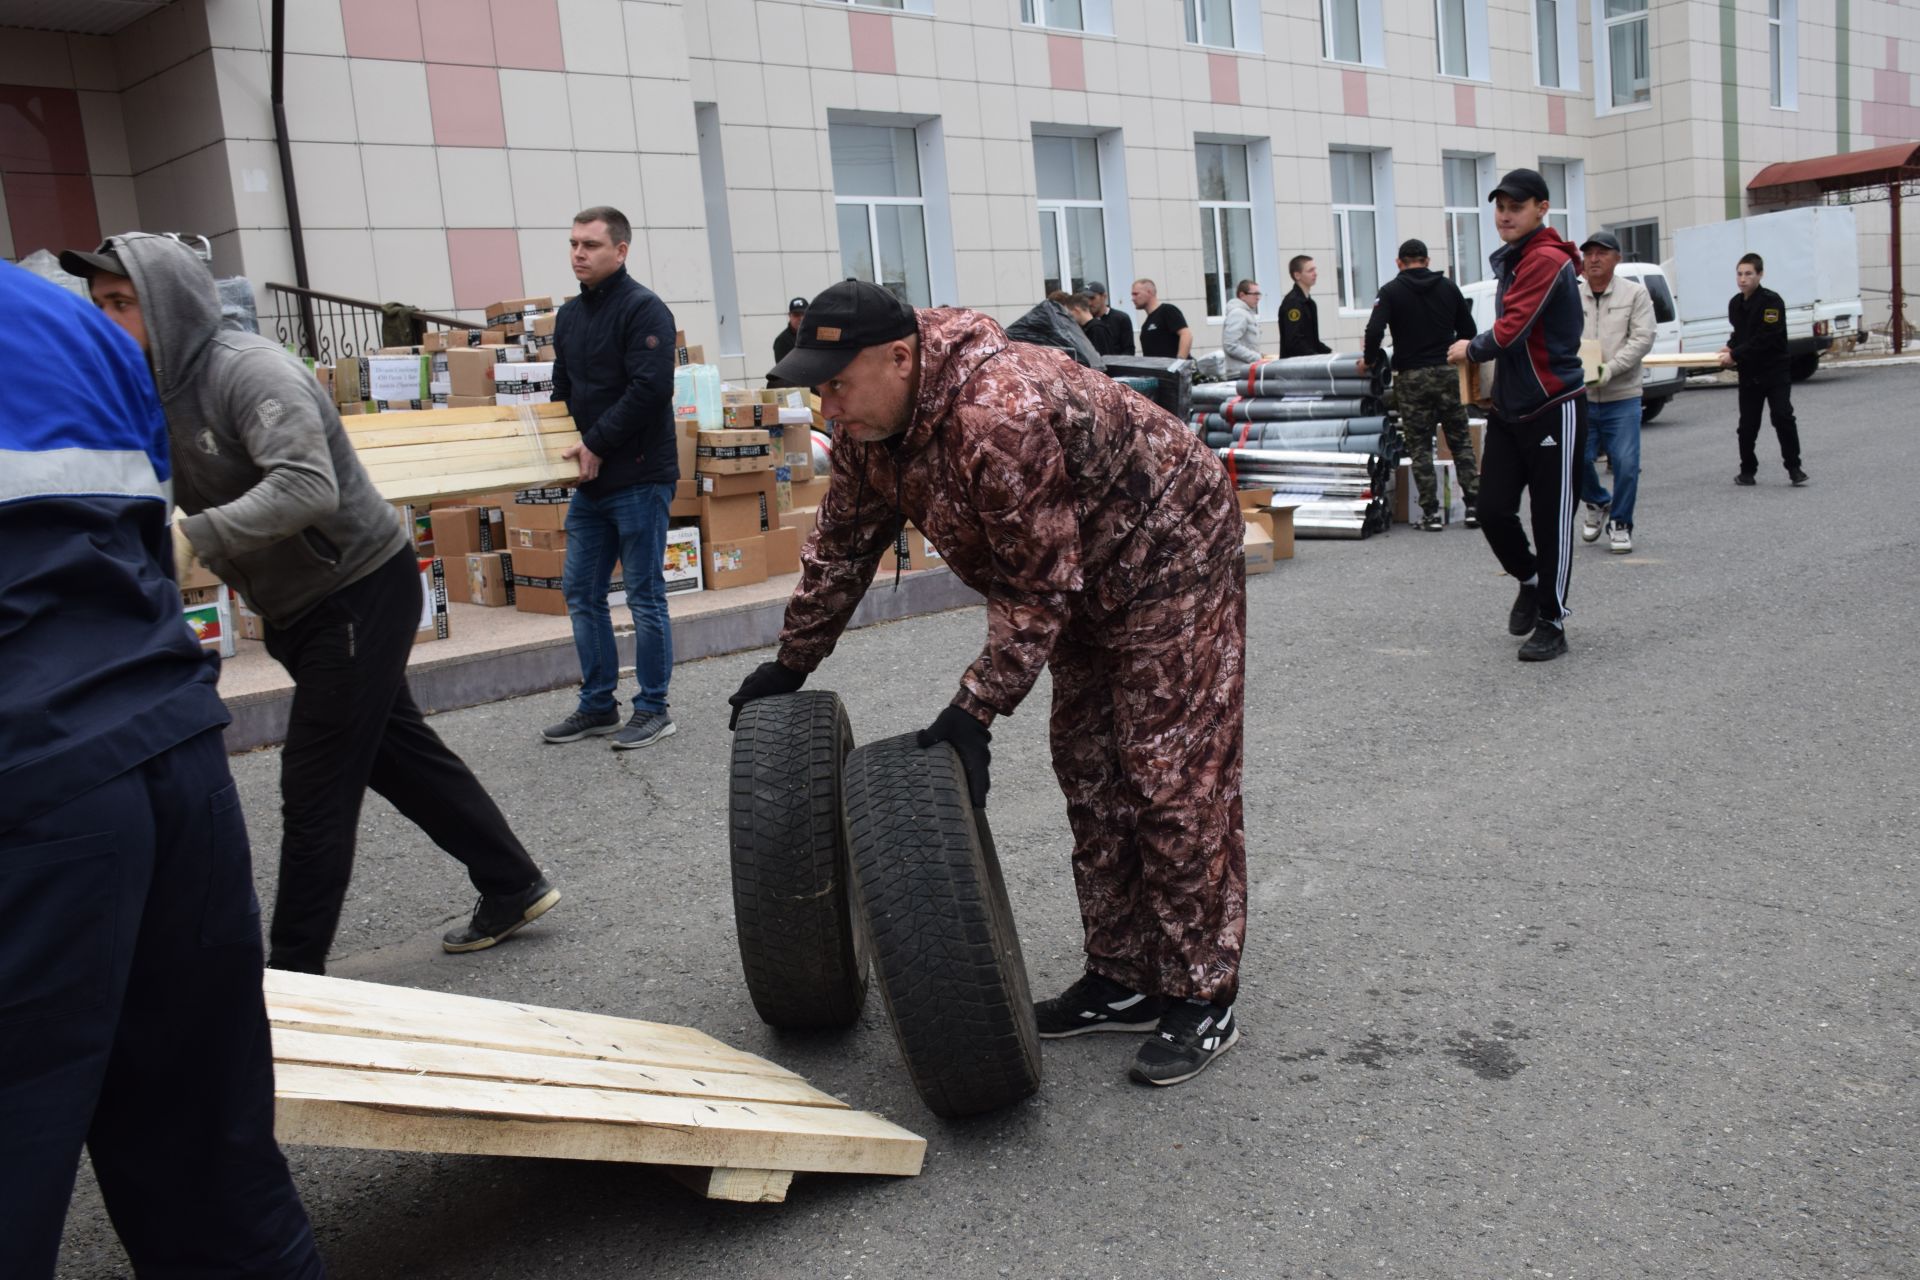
(1431, 522)
(1097, 1003)
(1525, 612)
(1545, 644)
(1192, 1034)
(1596, 521)
(498, 917)
(1472, 519)
(582, 724)
(1798, 477)
(645, 729)
(1622, 538)
(1745, 477)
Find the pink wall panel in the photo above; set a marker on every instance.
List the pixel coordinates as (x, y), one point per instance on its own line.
(40, 130)
(1066, 60)
(465, 102)
(1556, 114)
(526, 34)
(1223, 77)
(382, 29)
(51, 211)
(486, 265)
(1353, 89)
(457, 31)
(872, 36)
(1465, 108)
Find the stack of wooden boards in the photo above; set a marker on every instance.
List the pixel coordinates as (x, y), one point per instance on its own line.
(358, 1064)
(449, 453)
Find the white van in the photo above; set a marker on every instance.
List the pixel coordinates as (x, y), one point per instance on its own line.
(1657, 386)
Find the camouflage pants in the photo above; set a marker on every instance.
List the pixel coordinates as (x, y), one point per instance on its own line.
(1147, 736)
(1426, 397)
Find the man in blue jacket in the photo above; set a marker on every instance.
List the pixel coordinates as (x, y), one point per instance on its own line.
(613, 365)
(131, 1014)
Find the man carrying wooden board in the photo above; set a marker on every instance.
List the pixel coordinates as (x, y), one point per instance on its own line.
(131, 1015)
(1618, 315)
(278, 505)
(1107, 541)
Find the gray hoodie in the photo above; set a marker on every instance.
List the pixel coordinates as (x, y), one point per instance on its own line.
(277, 502)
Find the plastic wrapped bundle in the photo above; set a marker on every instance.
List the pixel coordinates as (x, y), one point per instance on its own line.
(1311, 369)
(1263, 410)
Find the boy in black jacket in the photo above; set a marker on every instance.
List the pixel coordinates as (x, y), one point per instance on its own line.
(1758, 348)
(1299, 314)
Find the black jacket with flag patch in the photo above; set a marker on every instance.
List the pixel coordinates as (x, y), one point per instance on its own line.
(1759, 341)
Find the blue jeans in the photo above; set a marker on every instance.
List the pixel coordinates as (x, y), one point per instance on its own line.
(629, 525)
(1615, 427)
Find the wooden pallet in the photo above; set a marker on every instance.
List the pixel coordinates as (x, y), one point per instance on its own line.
(358, 1064)
(449, 453)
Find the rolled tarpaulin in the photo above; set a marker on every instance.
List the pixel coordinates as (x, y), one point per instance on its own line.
(1214, 426)
(1260, 410)
(1319, 371)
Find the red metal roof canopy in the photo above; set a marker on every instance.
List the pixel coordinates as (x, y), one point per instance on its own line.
(1845, 171)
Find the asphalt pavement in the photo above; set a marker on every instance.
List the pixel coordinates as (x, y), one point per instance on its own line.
(1598, 968)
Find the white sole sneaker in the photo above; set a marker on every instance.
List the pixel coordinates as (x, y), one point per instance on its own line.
(637, 743)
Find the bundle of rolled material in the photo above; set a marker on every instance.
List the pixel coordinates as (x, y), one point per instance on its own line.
(1336, 405)
(1363, 433)
(1294, 410)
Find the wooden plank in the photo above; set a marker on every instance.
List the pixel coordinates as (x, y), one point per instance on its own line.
(456, 456)
(367, 442)
(331, 1106)
(357, 422)
(419, 1057)
(425, 488)
(746, 1186)
(1682, 360)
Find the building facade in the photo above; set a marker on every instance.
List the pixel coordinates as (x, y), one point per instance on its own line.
(962, 151)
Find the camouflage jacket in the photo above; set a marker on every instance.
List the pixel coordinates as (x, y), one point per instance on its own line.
(1049, 488)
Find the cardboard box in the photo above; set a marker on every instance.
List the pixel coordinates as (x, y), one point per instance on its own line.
(686, 499)
(538, 580)
(490, 578)
(802, 519)
(536, 515)
(1406, 494)
(733, 452)
(433, 602)
(686, 440)
(529, 383)
(810, 493)
(681, 565)
(469, 372)
(740, 562)
(518, 307)
(735, 518)
(520, 539)
(462, 530)
(210, 617)
(468, 402)
(1475, 431)
(1258, 548)
(249, 625)
(683, 354)
(1282, 515)
(398, 351)
(1262, 520)
(749, 415)
(541, 326)
(783, 551)
(198, 577)
(349, 381)
(910, 551)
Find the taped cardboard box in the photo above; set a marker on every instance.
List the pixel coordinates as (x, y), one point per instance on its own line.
(524, 539)
(1281, 514)
(433, 601)
(733, 452)
(741, 562)
(349, 382)
(198, 577)
(809, 493)
(469, 371)
(538, 509)
(1258, 548)
(686, 499)
(783, 551)
(741, 516)
(538, 581)
(462, 529)
(518, 307)
(248, 624)
(490, 578)
(529, 383)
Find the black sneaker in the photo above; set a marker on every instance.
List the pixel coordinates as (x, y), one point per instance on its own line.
(1472, 518)
(1525, 614)
(1545, 644)
(1798, 477)
(497, 918)
(1431, 522)
(1745, 477)
(1192, 1034)
(1097, 1003)
(582, 725)
(645, 729)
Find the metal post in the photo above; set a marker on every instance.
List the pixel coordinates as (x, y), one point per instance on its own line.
(1899, 322)
(310, 341)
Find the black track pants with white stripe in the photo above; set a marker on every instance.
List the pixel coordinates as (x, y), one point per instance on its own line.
(1540, 455)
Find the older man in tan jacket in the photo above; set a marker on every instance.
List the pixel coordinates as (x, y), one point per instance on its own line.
(1619, 316)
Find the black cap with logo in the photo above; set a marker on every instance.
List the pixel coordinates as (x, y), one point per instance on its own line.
(797, 304)
(843, 321)
(78, 262)
(1522, 184)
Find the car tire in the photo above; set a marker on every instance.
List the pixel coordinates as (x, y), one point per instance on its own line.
(1650, 409)
(1804, 367)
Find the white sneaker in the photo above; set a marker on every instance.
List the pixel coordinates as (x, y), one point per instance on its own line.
(1622, 538)
(1595, 522)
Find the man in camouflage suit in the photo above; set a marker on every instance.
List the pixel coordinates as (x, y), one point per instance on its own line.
(1426, 313)
(1106, 539)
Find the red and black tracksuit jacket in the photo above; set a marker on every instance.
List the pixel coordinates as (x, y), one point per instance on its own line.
(1535, 343)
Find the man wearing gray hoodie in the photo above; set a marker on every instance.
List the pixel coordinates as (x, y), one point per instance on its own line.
(278, 505)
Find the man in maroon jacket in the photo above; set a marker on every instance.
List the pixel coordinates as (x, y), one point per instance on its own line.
(1106, 539)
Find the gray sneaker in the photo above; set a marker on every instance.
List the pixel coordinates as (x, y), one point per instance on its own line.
(1596, 521)
(645, 729)
(582, 725)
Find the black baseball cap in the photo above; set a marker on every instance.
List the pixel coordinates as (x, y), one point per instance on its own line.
(79, 262)
(843, 321)
(1605, 239)
(1411, 249)
(1522, 184)
(1094, 286)
(797, 304)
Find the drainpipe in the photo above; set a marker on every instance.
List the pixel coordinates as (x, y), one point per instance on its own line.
(309, 339)
(1899, 325)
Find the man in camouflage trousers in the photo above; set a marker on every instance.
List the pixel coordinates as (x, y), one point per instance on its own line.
(1107, 541)
(1426, 312)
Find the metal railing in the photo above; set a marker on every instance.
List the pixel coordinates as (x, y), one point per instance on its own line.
(327, 327)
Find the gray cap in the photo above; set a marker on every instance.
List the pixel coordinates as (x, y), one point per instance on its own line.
(1094, 286)
(1600, 239)
(79, 262)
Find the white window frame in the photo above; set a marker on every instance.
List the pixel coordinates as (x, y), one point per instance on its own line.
(1244, 16)
(1483, 180)
(1783, 54)
(891, 6)
(934, 200)
(1603, 28)
(1473, 16)
(713, 185)
(1566, 27)
(1373, 34)
(1385, 230)
(1211, 210)
(1569, 219)
(1618, 228)
(1261, 195)
(1058, 207)
(1096, 17)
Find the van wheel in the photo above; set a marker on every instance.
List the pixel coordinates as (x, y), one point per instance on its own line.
(1650, 409)
(1803, 366)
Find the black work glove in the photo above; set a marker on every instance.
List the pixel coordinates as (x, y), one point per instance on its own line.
(970, 738)
(768, 679)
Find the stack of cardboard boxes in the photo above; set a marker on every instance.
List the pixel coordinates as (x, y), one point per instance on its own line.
(509, 361)
(757, 488)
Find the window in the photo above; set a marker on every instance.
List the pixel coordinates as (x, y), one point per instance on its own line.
(1226, 220)
(1566, 197)
(1356, 238)
(1210, 22)
(1664, 311)
(1639, 241)
(1351, 31)
(1783, 53)
(1556, 45)
(1466, 256)
(881, 212)
(1625, 53)
(1073, 225)
(878, 4)
(1066, 15)
(1451, 17)
(713, 184)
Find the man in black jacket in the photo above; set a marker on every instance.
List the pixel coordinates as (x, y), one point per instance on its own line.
(1111, 329)
(1427, 314)
(613, 365)
(1758, 348)
(1299, 314)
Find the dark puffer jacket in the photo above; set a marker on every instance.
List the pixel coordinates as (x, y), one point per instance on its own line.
(613, 365)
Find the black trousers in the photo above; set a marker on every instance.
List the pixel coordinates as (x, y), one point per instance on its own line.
(354, 725)
(1777, 396)
(131, 1021)
(1542, 456)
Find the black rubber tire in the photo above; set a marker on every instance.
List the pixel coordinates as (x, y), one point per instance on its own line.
(1804, 367)
(802, 945)
(945, 948)
(1651, 409)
